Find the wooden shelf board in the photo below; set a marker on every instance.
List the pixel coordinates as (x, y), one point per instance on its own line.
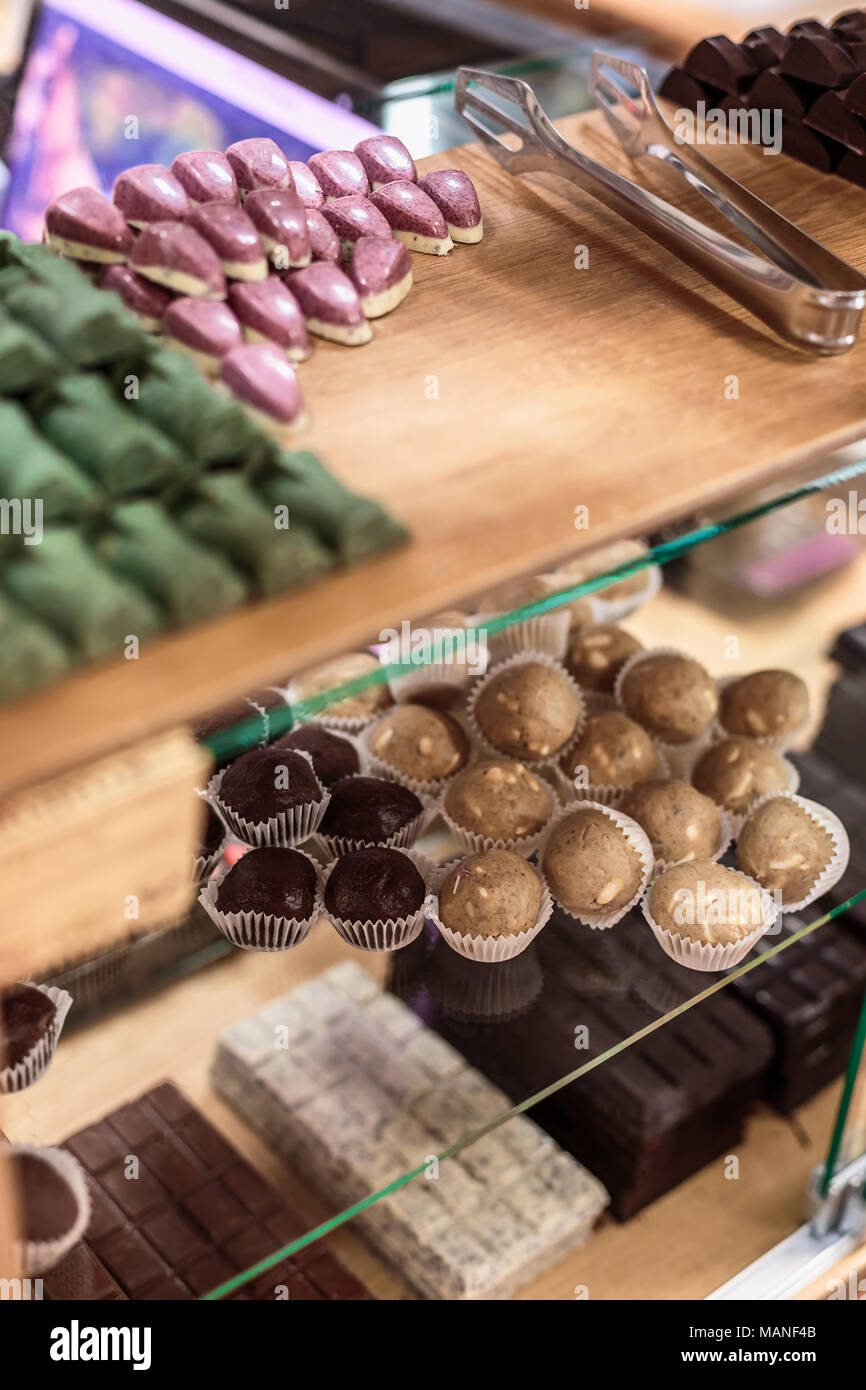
(678, 24)
(558, 388)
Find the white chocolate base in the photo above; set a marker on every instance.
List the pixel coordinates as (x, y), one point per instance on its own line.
(80, 251)
(375, 305)
(426, 245)
(467, 235)
(177, 281)
(350, 335)
(286, 263)
(249, 271)
(295, 354)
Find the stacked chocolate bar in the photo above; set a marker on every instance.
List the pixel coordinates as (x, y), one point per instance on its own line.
(815, 75)
(136, 498)
(187, 1216)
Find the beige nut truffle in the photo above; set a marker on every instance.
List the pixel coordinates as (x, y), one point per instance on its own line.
(764, 704)
(590, 865)
(422, 744)
(528, 710)
(612, 751)
(495, 893)
(737, 771)
(596, 654)
(607, 558)
(681, 822)
(338, 672)
(707, 903)
(499, 800)
(672, 696)
(516, 593)
(782, 847)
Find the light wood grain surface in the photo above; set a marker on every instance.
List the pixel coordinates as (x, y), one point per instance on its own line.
(557, 388)
(676, 25)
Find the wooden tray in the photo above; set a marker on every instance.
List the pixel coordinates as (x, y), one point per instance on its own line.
(508, 390)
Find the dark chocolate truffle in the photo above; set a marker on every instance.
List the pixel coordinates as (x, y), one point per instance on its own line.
(369, 810)
(333, 757)
(26, 1014)
(214, 834)
(268, 781)
(279, 882)
(49, 1206)
(374, 885)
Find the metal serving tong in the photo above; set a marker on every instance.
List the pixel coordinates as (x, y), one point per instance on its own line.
(803, 292)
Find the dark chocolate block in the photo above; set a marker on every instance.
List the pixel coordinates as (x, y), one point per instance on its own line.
(767, 46)
(855, 96)
(810, 996)
(775, 91)
(647, 1119)
(196, 1215)
(722, 63)
(809, 147)
(687, 91)
(849, 650)
(830, 116)
(827, 782)
(823, 61)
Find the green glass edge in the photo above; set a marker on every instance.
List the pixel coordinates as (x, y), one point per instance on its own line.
(854, 1059)
(227, 743)
(394, 1186)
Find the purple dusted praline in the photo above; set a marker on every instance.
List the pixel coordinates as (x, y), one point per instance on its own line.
(330, 303)
(147, 300)
(413, 217)
(339, 173)
(149, 193)
(280, 219)
(385, 158)
(306, 184)
(177, 256)
(324, 242)
(381, 272)
(207, 176)
(233, 237)
(355, 216)
(454, 194)
(258, 163)
(269, 312)
(87, 221)
(259, 375)
(205, 326)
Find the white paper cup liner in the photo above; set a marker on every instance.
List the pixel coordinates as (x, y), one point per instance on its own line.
(614, 609)
(339, 724)
(841, 852)
(23, 1074)
(260, 931)
(284, 831)
(470, 842)
(780, 743)
(427, 790)
(38, 1256)
(606, 793)
(395, 932)
(547, 632)
(437, 682)
(698, 955)
(726, 839)
(489, 749)
(598, 701)
(488, 950)
(333, 846)
(736, 818)
(681, 756)
(637, 838)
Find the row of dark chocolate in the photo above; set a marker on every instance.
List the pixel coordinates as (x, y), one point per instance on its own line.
(815, 74)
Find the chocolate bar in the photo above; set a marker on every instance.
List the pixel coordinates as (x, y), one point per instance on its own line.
(668, 1105)
(195, 1216)
(366, 1093)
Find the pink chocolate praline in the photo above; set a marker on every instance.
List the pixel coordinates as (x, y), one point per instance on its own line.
(140, 295)
(325, 292)
(324, 242)
(268, 310)
(339, 172)
(87, 217)
(280, 219)
(203, 325)
(259, 375)
(378, 265)
(231, 234)
(454, 194)
(355, 216)
(385, 158)
(259, 163)
(207, 176)
(177, 256)
(409, 209)
(149, 193)
(306, 184)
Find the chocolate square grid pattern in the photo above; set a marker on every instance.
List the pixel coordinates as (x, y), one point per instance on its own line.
(365, 1093)
(188, 1215)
